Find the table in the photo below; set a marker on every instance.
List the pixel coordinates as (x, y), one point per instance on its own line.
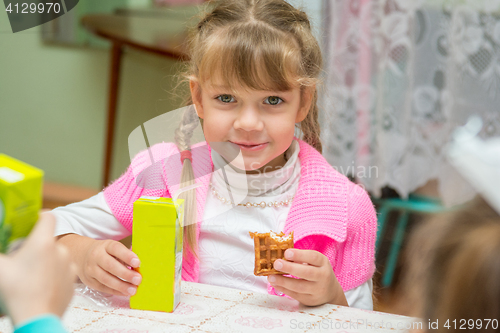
(206, 308)
(164, 35)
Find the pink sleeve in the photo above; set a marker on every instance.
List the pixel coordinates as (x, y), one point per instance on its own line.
(352, 260)
(142, 178)
(356, 255)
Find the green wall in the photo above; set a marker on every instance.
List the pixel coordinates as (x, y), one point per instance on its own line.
(53, 102)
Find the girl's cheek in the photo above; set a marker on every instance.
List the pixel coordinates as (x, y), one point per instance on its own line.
(214, 130)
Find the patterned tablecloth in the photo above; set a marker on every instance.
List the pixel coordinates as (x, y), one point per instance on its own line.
(206, 308)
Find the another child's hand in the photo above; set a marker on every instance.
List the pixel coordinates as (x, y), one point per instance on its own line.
(317, 283)
(103, 267)
(38, 277)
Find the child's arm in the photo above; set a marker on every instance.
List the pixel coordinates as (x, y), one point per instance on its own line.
(359, 244)
(101, 264)
(317, 283)
(78, 225)
(91, 218)
(361, 297)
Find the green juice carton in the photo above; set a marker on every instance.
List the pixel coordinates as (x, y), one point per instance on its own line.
(157, 239)
(20, 200)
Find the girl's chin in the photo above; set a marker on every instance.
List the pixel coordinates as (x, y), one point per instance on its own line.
(248, 166)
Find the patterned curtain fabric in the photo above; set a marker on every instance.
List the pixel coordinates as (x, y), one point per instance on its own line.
(401, 75)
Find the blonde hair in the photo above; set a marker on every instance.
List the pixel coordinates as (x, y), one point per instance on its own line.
(454, 267)
(257, 44)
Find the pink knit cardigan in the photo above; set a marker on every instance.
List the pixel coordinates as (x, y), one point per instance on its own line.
(329, 213)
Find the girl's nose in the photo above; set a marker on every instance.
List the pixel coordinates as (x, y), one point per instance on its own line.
(249, 119)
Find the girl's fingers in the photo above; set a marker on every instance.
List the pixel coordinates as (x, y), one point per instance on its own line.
(296, 285)
(303, 271)
(306, 299)
(297, 296)
(120, 251)
(310, 257)
(113, 266)
(119, 287)
(95, 284)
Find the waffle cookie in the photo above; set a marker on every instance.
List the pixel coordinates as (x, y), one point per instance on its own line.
(269, 247)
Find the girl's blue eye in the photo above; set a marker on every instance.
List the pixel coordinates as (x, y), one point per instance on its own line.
(225, 98)
(274, 100)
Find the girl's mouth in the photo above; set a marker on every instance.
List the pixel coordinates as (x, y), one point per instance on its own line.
(251, 146)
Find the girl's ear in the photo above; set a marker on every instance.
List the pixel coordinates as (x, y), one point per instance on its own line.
(306, 97)
(195, 88)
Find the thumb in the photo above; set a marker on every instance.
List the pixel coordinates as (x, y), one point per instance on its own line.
(44, 228)
(3, 260)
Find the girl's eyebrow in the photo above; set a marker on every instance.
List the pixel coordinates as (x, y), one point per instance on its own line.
(219, 87)
(268, 92)
(277, 92)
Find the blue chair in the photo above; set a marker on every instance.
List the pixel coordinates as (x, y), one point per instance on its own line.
(414, 204)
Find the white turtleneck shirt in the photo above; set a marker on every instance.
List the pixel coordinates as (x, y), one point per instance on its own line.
(226, 249)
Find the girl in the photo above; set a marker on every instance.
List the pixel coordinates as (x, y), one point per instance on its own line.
(252, 75)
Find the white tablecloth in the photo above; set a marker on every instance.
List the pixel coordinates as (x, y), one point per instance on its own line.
(206, 308)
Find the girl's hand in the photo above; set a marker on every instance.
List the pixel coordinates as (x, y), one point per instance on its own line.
(317, 283)
(101, 264)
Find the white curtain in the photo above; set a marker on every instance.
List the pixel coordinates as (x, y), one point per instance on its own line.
(400, 76)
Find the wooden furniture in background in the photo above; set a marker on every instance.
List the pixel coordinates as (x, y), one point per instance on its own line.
(164, 35)
(57, 195)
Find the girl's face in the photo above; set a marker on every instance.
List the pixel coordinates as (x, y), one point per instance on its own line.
(259, 124)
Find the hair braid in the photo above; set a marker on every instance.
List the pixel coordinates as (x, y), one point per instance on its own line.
(183, 136)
